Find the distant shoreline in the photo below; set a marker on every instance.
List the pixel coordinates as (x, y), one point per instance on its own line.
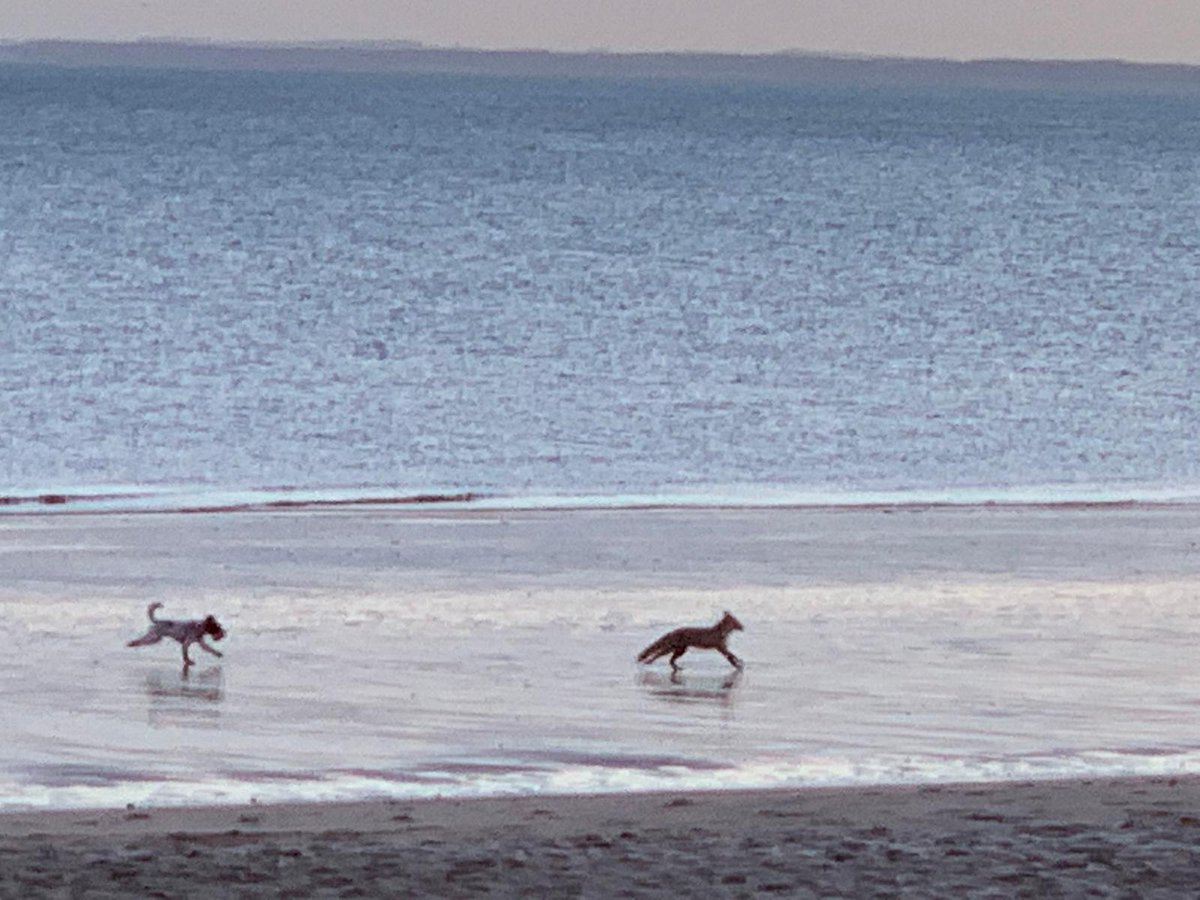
(777, 68)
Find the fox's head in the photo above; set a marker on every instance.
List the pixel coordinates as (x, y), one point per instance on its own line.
(730, 623)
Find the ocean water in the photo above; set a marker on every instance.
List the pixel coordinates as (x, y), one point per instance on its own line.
(358, 286)
(396, 322)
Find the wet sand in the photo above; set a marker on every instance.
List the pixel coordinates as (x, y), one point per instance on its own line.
(414, 653)
(1107, 838)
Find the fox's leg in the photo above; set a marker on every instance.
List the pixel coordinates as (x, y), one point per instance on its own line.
(674, 656)
(150, 637)
(733, 660)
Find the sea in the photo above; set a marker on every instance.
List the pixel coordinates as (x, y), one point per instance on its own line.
(422, 285)
(239, 292)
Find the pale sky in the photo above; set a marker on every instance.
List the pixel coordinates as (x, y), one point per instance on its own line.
(1135, 30)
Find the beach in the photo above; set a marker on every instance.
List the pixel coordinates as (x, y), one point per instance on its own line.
(1106, 838)
(446, 395)
(973, 700)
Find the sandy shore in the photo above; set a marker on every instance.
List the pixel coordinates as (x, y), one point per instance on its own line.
(1132, 837)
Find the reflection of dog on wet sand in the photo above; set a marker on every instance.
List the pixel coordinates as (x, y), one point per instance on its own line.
(678, 641)
(187, 632)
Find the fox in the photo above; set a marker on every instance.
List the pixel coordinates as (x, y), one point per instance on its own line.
(678, 641)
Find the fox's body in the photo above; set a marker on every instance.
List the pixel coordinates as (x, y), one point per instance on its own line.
(678, 641)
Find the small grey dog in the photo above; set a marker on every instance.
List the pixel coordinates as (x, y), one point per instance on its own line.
(187, 632)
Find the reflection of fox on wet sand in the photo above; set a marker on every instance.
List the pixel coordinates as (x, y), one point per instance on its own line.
(678, 641)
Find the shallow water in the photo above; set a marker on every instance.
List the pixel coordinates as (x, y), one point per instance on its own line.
(360, 662)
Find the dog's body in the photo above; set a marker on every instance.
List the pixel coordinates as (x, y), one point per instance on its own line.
(187, 632)
(678, 641)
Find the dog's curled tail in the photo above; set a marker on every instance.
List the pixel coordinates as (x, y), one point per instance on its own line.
(151, 609)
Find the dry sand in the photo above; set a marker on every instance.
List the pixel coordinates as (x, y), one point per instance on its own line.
(1113, 838)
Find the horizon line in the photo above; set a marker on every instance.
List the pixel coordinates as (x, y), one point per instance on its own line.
(383, 45)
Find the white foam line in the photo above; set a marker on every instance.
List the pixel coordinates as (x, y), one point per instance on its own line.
(164, 499)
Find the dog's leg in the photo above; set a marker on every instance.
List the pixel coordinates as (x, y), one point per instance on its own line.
(204, 646)
(150, 637)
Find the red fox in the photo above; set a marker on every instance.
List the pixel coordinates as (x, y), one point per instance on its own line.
(677, 642)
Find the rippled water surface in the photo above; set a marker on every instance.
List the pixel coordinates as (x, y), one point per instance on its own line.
(590, 286)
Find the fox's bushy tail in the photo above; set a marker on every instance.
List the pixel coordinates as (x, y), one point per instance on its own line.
(658, 648)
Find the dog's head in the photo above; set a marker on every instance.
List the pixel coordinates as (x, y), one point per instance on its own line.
(213, 627)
